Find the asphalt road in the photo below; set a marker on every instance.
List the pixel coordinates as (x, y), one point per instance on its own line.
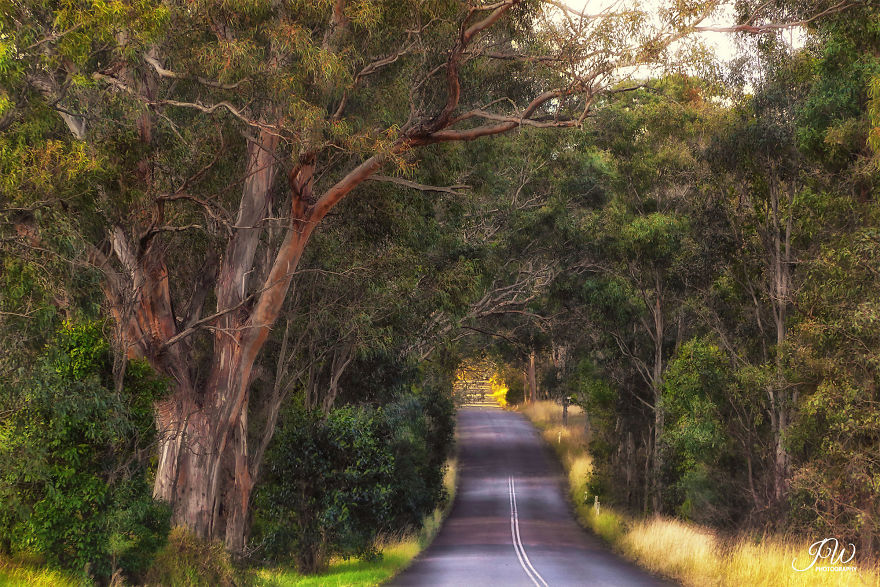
(510, 523)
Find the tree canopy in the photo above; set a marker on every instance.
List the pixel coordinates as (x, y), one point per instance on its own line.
(282, 210)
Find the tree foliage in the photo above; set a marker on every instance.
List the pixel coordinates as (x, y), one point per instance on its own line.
(337, 481)
(74, 458)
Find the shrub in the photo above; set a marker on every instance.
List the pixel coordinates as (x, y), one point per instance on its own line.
(334, 483)
(73, 460)
(695, 439)
(328, 487)
(421, 427)
(188, 561)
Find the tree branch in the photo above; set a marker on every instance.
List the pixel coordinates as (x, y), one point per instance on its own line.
(354, 178)
(453, 189)
(453, 84)
(166, 73)
(769, 28)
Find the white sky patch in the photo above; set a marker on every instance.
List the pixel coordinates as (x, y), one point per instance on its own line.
(723, 45)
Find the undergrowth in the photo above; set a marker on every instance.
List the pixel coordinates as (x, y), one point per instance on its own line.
(15, 573)
(186, 561)
(397, 554)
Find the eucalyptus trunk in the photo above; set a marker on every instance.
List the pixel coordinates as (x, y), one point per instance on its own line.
(781, 400)
(658, 334)
(532, 378)
(206, 469)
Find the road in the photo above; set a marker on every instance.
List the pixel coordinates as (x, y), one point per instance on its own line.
(510, 523)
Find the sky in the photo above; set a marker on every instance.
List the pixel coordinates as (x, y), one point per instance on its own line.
(723, 44)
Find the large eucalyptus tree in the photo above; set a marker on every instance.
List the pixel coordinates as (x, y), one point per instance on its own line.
(229, 129)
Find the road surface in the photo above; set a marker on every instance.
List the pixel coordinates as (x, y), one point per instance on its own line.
(510, 523)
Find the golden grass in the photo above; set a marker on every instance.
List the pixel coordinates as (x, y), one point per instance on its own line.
(694, 555)
(672, 548)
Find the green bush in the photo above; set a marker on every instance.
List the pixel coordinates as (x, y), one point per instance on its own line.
(422, 427)
(328, 487)
(74, 460)
(334, 483)
(695, 438)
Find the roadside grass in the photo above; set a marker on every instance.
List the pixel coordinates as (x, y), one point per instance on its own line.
(694, 555)
(349, 572)
(14, 573)
(397, 554)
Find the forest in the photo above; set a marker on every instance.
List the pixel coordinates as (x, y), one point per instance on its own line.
(246, 246)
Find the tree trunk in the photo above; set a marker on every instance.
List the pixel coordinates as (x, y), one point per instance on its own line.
(781, 282)
(183, 474)
(200, 441)
(657, 498)
(657, 388)
(204, 468)
(649, 451)
(532, 379)
(222, 406)
(560, 357)
(629, 467)
(238, 501)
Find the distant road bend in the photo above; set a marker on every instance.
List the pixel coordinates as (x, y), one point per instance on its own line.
(511, 524)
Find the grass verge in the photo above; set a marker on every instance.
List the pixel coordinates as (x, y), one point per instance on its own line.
(13, 573)
(694, 555)
(397, 554)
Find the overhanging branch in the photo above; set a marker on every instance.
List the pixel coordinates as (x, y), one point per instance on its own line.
(166, 73)
(753, 29)
(452, 189)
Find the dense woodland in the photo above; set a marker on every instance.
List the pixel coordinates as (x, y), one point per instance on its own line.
(245, 246)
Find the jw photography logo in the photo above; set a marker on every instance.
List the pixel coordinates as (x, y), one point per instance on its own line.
(829, 555)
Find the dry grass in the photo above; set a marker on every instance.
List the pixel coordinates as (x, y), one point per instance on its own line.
(697, 556)
(694, 555)
(672, 548)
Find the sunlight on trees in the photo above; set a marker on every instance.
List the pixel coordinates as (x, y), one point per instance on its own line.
(282, 213)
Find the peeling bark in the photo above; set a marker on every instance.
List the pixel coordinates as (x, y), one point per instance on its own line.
(206, 468)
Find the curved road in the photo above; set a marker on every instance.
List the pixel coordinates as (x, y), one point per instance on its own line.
(510, 523)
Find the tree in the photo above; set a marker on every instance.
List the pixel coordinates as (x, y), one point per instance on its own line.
(233, 130)
(834, 438)
(647, 259)
(694, 392)
(74, 457)
(762, 212)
